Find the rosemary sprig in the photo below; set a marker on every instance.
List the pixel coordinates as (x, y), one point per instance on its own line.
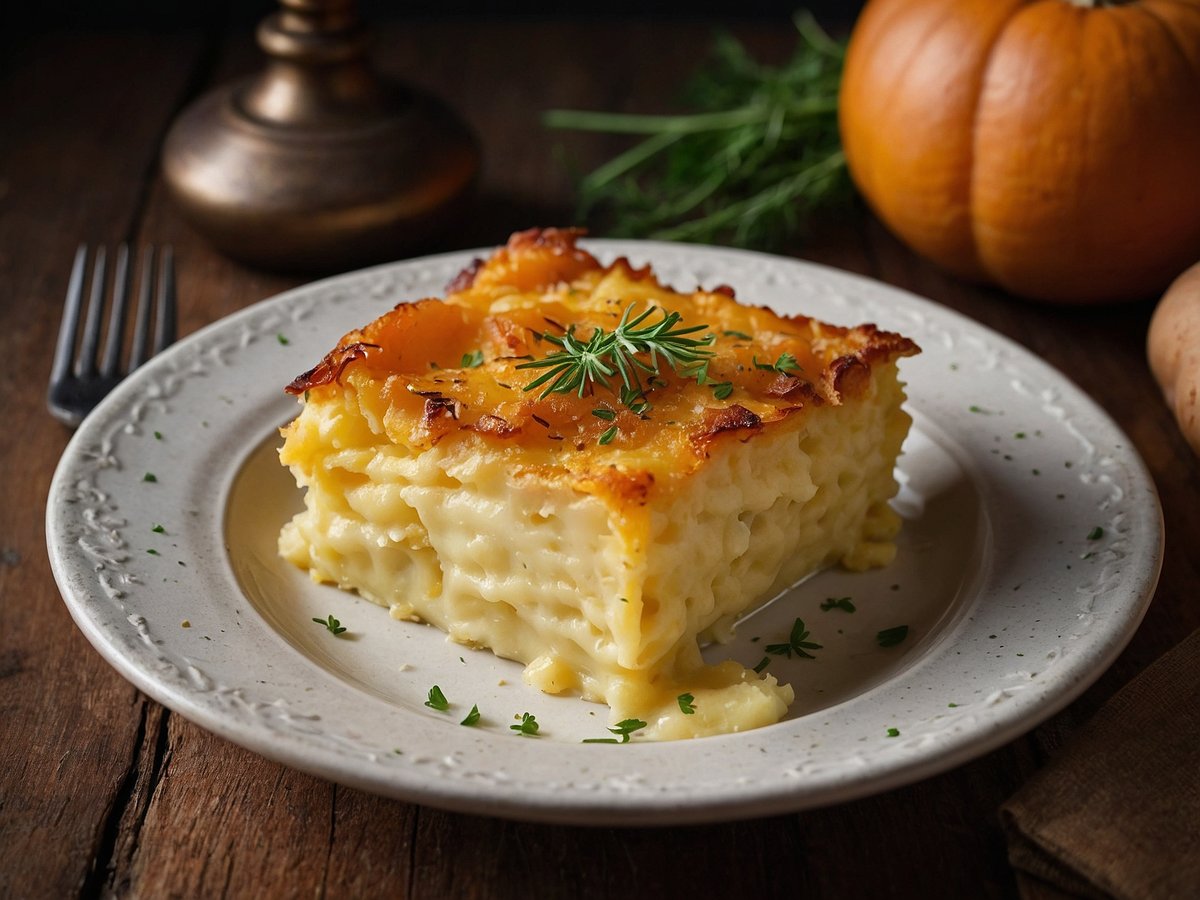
(759, 152)
(580, 365)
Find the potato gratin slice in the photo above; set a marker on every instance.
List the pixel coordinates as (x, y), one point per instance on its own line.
(596, 529)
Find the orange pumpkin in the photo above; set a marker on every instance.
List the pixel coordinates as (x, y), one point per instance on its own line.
(1050, 147)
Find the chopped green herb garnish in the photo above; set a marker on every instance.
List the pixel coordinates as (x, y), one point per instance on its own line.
(158, 529)
(762, 664)
(282, 340)
(150, 476)
(685, 704)
(158, 435)
(152, 552)
(890, 637)
(741, 335)
(952, 705)
(608, 435)
(606, 414)
(472, 717)
(635, 400)
(977, 409)
(785, 364)
(437, 700)
(472, 360)
(528, 725)
(722, 389)
(842, 603)
(623, 729)
(798, 643)
(334, 626)
(1095, 534)
(893, 732)
(578, 366)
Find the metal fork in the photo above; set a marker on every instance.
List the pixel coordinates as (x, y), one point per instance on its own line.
(79, 381)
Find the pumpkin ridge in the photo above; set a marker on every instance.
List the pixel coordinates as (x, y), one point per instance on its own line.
(1166, 27)
(896, 87)
(972, 219)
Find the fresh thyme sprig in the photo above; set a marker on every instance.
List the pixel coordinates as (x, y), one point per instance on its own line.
(759, 150)
(580, 365)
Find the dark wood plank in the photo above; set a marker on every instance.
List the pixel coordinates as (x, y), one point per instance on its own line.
(80, 134)
(224, 822)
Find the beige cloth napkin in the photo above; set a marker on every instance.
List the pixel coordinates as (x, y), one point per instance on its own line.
(1116, 813)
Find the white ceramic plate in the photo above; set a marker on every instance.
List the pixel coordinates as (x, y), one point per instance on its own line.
(1032, 545)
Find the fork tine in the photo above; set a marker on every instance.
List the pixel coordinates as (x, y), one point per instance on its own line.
(116, 318)
(65, 348)
(85, 363)
(164, 331)
(141, 329)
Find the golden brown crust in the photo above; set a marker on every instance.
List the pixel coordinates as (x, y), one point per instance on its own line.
(464, 279)
(715, 422)
(434, 371)
(330, 368)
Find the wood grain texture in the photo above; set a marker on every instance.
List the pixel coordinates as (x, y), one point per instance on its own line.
(80, 135)
(104, 793)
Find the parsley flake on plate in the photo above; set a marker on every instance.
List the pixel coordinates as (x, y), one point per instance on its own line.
(890, 637)
(843, 603)
(527, 726)
(335, 627)
(624, 729)
(798, 643)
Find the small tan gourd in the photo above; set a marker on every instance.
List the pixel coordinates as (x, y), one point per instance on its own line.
(1173, 348)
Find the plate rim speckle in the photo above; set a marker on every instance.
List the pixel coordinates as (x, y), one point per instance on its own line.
(248, 686)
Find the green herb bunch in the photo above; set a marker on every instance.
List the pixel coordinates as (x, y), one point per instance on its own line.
(760, 152)
(579, 365)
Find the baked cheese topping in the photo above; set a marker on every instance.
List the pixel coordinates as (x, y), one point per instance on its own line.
(601, 533)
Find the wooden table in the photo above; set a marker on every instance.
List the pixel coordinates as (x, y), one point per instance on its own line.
(103, 790)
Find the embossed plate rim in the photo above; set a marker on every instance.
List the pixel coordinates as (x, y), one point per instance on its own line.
(134, 623)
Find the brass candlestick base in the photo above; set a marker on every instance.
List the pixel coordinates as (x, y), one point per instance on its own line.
(316, 164)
